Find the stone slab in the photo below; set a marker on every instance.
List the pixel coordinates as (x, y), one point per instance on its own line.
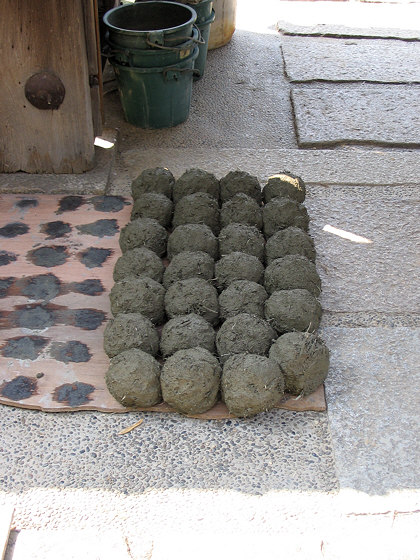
(379, 537)
(349, 19)
(373, 406)
(331, 115)
(70, 545)
(246, 547)
(337, 30)
(386, 535)
(304, 521)
(355, 166)
(346, 60)
(367, 248)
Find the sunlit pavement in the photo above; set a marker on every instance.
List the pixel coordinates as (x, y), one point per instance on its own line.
(341, 484)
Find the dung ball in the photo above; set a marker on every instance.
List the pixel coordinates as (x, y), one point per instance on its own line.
(197, 208)
(193, 295)
(196, 180)
(244, 333)
(186, 331)
(304, 360)
(130, 330)
(290, 272)
(240, 182)
(293, 310)
(238, 266)
(137, 263)
(156, 180)
(251, 384)
(133, 379)
(144, 232)
(243, 239)
(153, 205)
(139, 295)
(190, 380)
(193, 237)
(242, 296)
(241, 209)
(289, 241)
(281, 213)
(284, 185)
(189, 264)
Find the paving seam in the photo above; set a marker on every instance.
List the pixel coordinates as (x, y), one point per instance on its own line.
(356, 84)
(327, 144)
(303, 83)
(294, 117)
(348, 36)
(315, 35)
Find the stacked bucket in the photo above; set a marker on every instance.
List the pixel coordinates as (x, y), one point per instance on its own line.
(156, 49)
(205, 17)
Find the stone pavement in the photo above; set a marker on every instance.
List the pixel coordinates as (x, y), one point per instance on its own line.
(330, 115)
(350, 60)
(335, 485)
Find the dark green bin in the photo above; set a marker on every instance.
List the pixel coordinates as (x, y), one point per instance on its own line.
(146, 24)
(203, 10)
(156, 97)
(204, 28)
(152, 58)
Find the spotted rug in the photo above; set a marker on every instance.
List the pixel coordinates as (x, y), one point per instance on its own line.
(57, 255)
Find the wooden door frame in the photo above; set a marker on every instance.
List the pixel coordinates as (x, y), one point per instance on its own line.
(93, 50)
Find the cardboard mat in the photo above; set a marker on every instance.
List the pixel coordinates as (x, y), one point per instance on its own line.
(57, 255)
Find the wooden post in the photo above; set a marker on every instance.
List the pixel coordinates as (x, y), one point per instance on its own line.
(94, 62)
(48, 37)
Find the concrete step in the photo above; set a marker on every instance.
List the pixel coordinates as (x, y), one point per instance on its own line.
(352, 166)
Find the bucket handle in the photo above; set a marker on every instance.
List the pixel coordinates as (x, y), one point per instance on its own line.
(198, 41)
(172, 72)
(109, 53)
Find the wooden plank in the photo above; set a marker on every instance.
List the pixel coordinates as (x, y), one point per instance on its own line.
(44, 36)
(50, 376)
(6, 518)
(48, 372)
(314, 402)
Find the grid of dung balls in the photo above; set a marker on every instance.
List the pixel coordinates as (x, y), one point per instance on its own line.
(216, 294)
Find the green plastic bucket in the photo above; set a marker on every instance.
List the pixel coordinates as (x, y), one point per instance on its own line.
(200, 63)
(203, 9)
(147, 24)
(156, 97)
(152, 58)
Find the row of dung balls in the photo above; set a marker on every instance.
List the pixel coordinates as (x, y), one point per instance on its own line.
(190, 377)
